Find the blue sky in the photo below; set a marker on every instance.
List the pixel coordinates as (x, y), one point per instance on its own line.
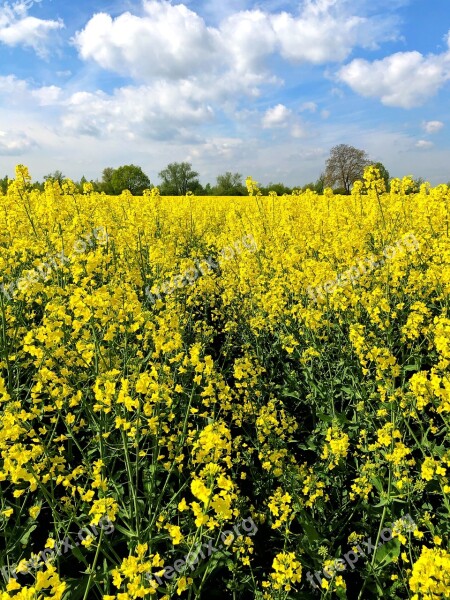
(263, 88)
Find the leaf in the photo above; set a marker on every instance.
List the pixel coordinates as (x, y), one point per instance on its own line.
(26, 536)
(386, 553)
(325, 418)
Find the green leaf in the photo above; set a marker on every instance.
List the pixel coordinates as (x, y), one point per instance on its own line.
(325, 418)
(26, 536)
(386, 553)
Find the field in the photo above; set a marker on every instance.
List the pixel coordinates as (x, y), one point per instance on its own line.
(221, 398)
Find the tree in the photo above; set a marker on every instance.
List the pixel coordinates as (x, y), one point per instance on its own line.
(178, 179)
(319, 186)
(229, 184)
(279, 188)
(106, 184)
(344, 166)
(55, 176)
(4, 184)
(384, 173)
(129, 177)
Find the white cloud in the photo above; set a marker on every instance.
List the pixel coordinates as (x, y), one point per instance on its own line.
(316, 39)
(404, 79)
(325, 114)
(432, 126)
(169, 41)
(47, 95)
(11, 86)
(172, 41)
(14, 143)
(17, 91)
(277, 116)
(161, 111)
(424, 144)
(247, 39)
(18, 29)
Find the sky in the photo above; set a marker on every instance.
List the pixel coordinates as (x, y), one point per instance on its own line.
(263, 88)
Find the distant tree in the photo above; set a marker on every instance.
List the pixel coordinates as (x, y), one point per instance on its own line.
(344, 166)
(80, 184)
(4, 184)
(178, 178)
(418, 181)
(279, 188)
(229, 184)
(129, 177)
(208, 190)
(384, 173)
(106, 183)
(55, 176)
(319, 186)
(309, 186)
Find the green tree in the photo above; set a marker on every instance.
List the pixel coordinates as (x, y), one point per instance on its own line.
(344, 166)
(279, 188)
(55, 176)
(129, 177)
(208, 190)
(106, 183)
(81, 183)
(179, 178)
(319, 186)
(229, 184)
(4, 184)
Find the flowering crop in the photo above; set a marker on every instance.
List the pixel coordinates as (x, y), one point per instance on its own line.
(323, 418)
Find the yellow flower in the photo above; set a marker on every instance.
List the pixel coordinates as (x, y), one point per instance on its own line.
(34, 511)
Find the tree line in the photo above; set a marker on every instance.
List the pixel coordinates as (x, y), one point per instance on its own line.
(343, 167)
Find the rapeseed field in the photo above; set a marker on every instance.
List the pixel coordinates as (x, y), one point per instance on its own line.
(233, 398)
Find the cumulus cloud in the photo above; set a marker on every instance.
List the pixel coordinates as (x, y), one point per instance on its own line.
(404, 79)
(173, 41)
(169, 41)
(11, 86)
(277, 116)
(18, 29)
(157, 112)
(424, 144)
(432, 126)
(14, 143)
(188, 67)
(17, 91)
(47, 95)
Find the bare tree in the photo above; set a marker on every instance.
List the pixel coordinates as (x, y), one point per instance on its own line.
(344, 166)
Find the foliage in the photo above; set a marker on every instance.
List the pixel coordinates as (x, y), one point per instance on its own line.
(55, 176)
(279, 188)
(229, 184)
(126, 177)
(178, 179)
(4, 184)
